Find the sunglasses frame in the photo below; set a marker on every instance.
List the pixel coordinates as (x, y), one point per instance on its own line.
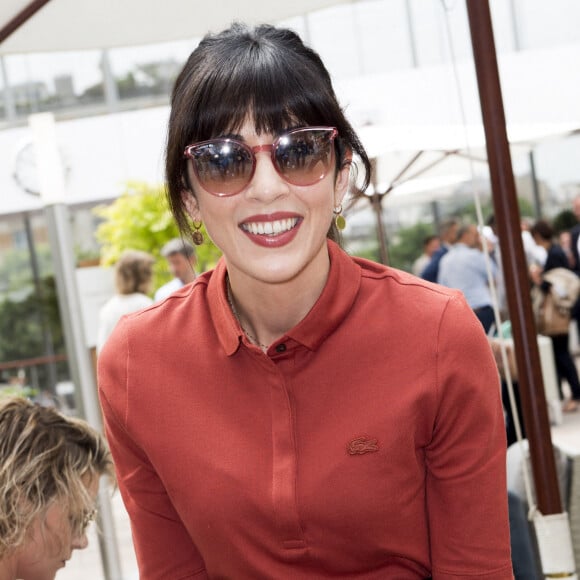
(271, 147)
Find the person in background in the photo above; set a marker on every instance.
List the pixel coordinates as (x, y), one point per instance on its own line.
(535, 254)
(430, 245)
(543, 235)
(565, 242)
(491, 244)
(181, 259)
(50, 467)
(464, 268)
(297, 412)
(575, 236)
(575, 257)
(133, 279)
(448, 236)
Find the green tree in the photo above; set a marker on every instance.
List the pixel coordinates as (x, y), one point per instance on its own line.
(21, 329)
(408, 245)
(127, 86)
(369, 251)
(467, 212)
(16, 271)
(564, 221)
(140, 219)
(403, 248)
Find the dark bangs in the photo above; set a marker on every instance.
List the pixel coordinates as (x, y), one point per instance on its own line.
(258, 79)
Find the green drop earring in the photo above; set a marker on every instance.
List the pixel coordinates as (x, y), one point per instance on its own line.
(339, 218)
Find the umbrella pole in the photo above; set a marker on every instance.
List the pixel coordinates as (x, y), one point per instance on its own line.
(552, 526)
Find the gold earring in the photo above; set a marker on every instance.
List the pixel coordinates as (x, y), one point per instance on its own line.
(339, 219)
(197, 236)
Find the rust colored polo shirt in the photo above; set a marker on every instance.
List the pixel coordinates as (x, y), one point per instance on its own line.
(367, 443)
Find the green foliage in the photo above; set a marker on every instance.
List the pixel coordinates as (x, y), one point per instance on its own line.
(370, 252)
(141, 220)
(408, 245)
(16, 270)
(12, 391)
(127, 85)
(564, 221)
(21, 328)
(468, 213)
(403, 249)
(21, 322)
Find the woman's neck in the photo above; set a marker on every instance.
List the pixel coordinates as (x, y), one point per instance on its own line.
(266, 311)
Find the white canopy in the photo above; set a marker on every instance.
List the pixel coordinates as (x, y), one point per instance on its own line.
(379, 140)
(63, 25)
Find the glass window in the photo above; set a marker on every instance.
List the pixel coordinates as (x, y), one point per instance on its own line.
(53, 81)
(148, 71)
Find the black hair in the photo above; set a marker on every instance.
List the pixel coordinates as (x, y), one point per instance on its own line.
(265, 73)
(542, 229)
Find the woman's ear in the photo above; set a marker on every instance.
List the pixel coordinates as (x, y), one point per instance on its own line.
(342, 178)
(191, 205)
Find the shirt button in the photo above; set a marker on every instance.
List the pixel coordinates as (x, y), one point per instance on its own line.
(281, 348)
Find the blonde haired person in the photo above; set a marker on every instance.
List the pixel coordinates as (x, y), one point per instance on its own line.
(49, 476)
(133, 278)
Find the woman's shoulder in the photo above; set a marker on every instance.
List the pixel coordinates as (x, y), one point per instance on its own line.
(394, 280)
(416, 310)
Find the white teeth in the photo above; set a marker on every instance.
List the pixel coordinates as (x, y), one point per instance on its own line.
(269, 228)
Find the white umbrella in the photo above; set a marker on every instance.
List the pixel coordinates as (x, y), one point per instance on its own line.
(60, 25)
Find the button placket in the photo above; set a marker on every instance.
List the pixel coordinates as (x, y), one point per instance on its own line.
(284, 468)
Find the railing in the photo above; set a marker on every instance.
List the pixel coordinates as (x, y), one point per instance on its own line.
(26, 381)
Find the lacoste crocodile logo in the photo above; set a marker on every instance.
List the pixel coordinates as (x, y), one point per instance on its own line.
(362, 445)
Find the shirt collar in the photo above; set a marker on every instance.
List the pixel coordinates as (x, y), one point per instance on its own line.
(332, 306)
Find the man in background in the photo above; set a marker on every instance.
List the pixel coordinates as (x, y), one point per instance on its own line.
(575, 235)
(448, 236)
(181, 259)
(464, 268)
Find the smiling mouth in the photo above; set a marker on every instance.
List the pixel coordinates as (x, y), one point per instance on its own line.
(272, 228)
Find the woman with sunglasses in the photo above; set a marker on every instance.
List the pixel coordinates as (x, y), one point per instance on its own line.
(297, 413)
(49, 477)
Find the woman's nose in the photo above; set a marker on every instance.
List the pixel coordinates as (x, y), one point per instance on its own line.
(80, 541)
(267, 184)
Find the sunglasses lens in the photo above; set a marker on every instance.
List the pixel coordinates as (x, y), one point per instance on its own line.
(305, 156)
(225, 167)
(222, 167)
